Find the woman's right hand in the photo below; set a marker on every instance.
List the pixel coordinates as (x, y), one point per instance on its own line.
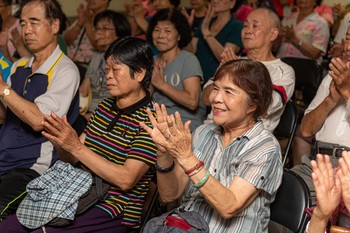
(228, 55)
(157, 136)
(327, 187)
(81, 13)
(189, 17)
(339, 10)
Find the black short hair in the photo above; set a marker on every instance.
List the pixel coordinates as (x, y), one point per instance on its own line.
(136, 54)
(7, 2)
(175, 3)
(53, 10)
(177, 19)
(120, 22)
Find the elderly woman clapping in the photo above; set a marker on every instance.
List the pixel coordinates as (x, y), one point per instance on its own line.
(233, 164)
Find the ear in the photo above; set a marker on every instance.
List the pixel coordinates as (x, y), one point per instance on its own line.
(55, 26)
(233, 3)
(140, 75)
(251, 106)
(274, 34)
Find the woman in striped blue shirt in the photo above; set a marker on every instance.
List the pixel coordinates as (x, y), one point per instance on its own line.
(227, 171)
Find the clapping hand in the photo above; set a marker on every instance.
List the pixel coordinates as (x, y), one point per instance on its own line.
(60, 133)
(327, 186)
(340, 72)
(344, 177)
(228, 54)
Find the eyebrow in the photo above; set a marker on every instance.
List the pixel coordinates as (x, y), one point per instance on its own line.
(30, 19)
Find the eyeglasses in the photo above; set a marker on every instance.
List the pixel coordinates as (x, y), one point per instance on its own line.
(103, 29)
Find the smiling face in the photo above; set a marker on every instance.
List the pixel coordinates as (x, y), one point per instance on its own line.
(230, 104)
(258, 31)
(38, 31)
(165, 36)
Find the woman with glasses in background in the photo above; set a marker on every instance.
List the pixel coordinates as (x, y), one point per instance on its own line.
(108, 26)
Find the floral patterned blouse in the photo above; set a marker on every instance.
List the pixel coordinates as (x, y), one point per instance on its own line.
(313, 29)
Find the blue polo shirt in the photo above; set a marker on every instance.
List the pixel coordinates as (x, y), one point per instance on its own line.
(53, 88)
(5, 67)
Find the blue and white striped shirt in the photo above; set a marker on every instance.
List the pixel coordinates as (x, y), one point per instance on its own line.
(256, 157)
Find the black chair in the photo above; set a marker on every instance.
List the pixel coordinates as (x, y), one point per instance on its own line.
(292, 198)
(286, 128)
(308, 76)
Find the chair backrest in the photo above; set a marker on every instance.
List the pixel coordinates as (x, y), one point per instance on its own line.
(150, 204)
(308, 76)
(286, 128)
(292, 198)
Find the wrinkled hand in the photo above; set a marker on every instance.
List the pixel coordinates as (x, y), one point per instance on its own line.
(3, 39)
(137, 10)
(190, 18)
(59, 132)
(344, 177)
(179, 142)
(81, 13)
(17, 39)
(288, 33)
(228, 54)
(158, 74)
(161, 122)
(339, 10)
(170, 134)
(336, 50)
(206, 21)
(327, 186)
(340, 72)
(334, 94)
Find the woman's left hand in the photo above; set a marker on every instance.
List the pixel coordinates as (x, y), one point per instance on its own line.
(158, 75)
(59, 132)
(205, 26)
(169, 133)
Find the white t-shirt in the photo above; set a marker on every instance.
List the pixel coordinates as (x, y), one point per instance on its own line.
(343, 28)
(336, 128)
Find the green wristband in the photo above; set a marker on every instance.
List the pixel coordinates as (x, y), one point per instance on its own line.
(202, 181)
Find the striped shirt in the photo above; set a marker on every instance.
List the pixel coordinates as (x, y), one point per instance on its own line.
(115, 134)
(255, 157)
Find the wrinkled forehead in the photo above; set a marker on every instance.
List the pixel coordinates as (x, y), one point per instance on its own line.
(33, 10)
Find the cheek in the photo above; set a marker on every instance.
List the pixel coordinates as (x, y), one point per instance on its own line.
(212, 96)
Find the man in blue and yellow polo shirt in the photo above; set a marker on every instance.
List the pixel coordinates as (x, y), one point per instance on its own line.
(43, 83)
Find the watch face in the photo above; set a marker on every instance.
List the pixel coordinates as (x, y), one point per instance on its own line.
(6, 91)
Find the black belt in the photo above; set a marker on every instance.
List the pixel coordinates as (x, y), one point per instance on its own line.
(331, 149)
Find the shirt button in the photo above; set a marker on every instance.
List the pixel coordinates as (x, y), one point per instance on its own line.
(29, 80)
(25, 92)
